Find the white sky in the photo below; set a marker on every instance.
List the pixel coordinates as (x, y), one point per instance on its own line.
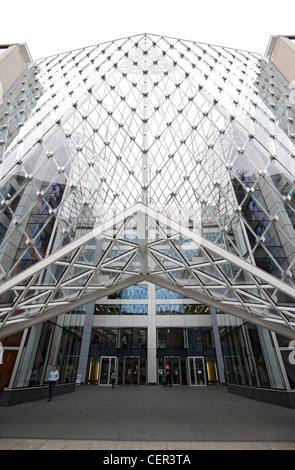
(61, 25)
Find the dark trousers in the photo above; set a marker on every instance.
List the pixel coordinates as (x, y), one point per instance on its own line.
(51, 388)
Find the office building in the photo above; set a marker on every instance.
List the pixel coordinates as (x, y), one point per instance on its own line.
(147, 215)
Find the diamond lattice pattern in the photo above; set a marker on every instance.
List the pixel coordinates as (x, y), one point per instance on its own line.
(199, 134)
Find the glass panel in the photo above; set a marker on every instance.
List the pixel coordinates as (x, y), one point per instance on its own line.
(197, 371)
(212, 373)
(70, 162)
(93, 370)
(142, 371)
(172, 365)
(192, 370)
(131, 371)
(132, 292)
(107, 366)
(162, 293)
(70, 368)
(104, 371)
(113, 364)
(200, 372)
(234, 370)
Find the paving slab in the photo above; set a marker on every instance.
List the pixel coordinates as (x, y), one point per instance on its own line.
(147, 418)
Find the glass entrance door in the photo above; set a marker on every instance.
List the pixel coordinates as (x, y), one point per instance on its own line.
(131, 370)
(107, 366)
(197, 371)
(172, 364)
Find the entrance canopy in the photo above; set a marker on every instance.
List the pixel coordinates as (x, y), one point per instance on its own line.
(143, 244)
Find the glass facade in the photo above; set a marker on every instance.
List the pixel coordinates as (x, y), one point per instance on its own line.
(253, 357)
(189, 354)
(149, 156)
(182, 309)
(173, 346)
(128, 349)
(48, 344)
(125, 309)
(107, 341)
(133, 292)
(196, 341)
(147, 184)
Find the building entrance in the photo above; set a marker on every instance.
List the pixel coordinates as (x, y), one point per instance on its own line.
(197, 375)
(107, 366)
(172, 365)
(131, 370)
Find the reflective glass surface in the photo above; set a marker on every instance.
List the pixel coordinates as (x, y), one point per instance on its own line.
(148, 158)
(122, 309)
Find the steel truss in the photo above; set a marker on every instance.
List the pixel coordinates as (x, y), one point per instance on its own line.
(157, 130)
(143, 244)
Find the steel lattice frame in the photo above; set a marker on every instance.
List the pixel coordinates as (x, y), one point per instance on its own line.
(169, 255)
(148, 158)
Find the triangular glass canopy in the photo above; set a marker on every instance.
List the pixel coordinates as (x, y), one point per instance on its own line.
(148, 158)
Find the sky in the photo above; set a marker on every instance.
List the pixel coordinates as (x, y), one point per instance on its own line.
(57, 26)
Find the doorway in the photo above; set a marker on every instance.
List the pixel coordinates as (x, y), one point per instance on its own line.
(131, 370)
(172, 364)
(196, 367)
(107, 366)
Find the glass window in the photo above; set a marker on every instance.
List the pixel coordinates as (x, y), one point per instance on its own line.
(107, 341)
(203, 310)
(122, 309)
(162, 293)
(48, 344)
(182, 309)
(243, 356)
(170, 338)
(200, 340)
(170, 309)
(197, 341)
(139, 309)
(103, 341)
(136, 292)
(132, 338)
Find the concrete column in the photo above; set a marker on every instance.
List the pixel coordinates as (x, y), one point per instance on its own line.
(86, 338)
(218, 350)
(152, 336)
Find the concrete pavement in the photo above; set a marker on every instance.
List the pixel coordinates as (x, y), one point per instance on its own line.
(147, 418)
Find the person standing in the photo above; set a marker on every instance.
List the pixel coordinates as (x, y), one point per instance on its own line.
(53, 378)
(113, 378)
(169, 378)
